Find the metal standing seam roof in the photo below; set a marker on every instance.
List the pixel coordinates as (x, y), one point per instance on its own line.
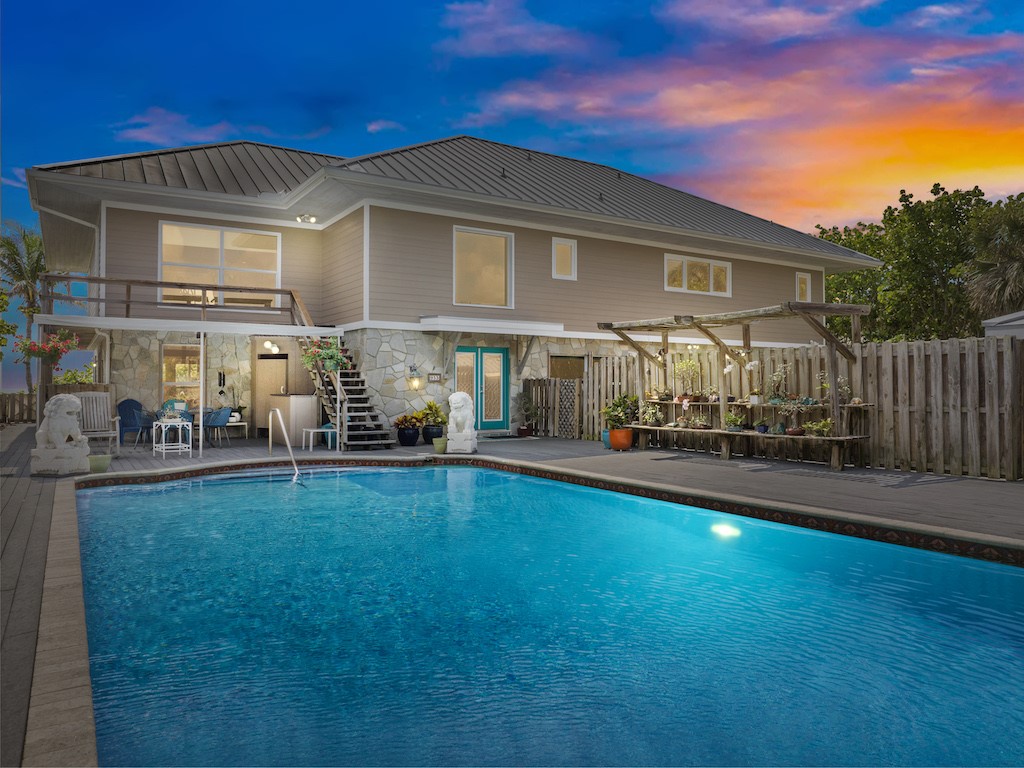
(244, 168)
(462, 164)
(479, 166)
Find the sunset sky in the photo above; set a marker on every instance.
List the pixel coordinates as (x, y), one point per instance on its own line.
(798, 112)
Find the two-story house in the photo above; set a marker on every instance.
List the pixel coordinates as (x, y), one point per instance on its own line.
(459, 263)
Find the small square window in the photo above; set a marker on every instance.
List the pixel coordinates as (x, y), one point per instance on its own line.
(803, 286)
(694, 275)
(563, 259)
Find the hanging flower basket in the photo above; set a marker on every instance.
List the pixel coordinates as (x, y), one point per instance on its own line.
(50, 351)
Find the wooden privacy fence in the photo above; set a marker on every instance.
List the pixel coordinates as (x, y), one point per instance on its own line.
(946, 406)
(17, 407)
(571, 408)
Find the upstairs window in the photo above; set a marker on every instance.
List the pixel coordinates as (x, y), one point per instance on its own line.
(690, 274)
(563, 259)
(483, 268)
(222, 259)
(803, 286)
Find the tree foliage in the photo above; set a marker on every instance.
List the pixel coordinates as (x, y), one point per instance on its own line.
(22, 264)
(6, 329)
(995, 279)
(927, 253)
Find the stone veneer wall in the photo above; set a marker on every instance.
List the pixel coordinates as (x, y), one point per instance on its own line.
(385, 356)
(135, 358)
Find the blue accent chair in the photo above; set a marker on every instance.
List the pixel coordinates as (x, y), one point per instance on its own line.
(134, 418)
(216, 423)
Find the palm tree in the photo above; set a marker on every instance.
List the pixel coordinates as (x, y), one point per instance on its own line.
(995, 279)
(22, 264)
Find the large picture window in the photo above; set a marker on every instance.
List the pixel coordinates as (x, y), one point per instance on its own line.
(483, 268)
(180, 371)
(220, 257)
(690, 274)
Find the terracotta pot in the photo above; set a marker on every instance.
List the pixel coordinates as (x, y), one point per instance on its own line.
(795, 431)
(621, 439)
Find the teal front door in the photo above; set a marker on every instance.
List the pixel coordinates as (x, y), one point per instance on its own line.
(482, 373)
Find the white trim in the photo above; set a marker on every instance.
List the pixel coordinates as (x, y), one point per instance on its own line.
(555, 242)
(58, 214)
(489, 325)
(366, 262)
(282, 223)
(510, 266)
(685, 268)
(222, 286)
(336, 217)
(101, 308)
(810, 287)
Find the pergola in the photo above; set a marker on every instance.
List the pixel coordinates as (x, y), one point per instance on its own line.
(706, 325)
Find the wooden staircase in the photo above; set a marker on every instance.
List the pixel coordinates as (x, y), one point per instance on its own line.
(344, 396)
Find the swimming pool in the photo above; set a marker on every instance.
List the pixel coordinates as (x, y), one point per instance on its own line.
(462, 616)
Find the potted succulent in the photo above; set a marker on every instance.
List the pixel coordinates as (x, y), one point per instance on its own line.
(618, 413)
(761, 425)
(433, 419)
(408, 426)
(527, 413)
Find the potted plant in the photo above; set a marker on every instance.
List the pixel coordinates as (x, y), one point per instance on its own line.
(651, 414)
(791, 409)
(688, 373)
(618, 413)
(699, 422)
(433, 419)
(527, 413)
(821, 428)
(408, 426)
(777, 383)
(733, 421)
(327, 353)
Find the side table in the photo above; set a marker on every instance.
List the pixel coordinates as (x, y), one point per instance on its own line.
(172, 436)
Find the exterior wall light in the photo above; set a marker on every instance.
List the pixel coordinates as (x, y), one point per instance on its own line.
(306, 218)
(414, 377)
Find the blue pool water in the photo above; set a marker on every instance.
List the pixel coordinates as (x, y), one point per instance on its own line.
(459, 616)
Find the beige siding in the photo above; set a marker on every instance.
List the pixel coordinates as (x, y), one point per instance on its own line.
(132, 239)
(411, 277)
(343, 270)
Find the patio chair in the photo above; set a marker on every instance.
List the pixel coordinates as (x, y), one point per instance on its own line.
(97, 421)
(216, 422)
(134, 418)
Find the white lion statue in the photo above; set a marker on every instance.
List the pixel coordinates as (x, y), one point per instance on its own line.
(60, 422)
(461, 418)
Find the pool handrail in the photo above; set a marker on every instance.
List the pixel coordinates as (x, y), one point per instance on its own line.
(287, 442)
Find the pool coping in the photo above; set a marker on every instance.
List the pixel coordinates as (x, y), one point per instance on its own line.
(61, 725)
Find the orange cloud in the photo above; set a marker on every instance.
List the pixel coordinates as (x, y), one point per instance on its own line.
(845, 172)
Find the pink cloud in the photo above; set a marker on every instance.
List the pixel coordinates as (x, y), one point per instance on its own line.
(163, 128)
(504, 28)
(384, 125)
(764, 20)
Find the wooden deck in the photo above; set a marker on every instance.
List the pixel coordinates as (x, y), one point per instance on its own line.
(906, 505)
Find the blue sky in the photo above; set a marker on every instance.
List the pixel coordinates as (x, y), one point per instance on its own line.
(800, 112)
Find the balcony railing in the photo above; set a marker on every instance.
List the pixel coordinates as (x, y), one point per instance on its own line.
(207, 298)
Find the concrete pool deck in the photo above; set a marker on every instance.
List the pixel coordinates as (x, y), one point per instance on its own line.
(40, 539)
